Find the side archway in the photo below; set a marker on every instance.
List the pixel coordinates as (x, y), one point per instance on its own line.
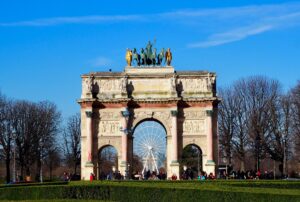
(191, 159)
(107, 162)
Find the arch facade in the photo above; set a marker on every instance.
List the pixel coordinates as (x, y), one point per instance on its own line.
(185, 103)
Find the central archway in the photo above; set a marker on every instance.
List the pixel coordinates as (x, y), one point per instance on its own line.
(107, 161)
(149, 148)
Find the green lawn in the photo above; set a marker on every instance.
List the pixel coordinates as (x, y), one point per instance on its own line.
(217, 190)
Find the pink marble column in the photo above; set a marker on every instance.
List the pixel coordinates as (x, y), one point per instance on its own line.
(89, 134)
(209, 137)
(174, 137)
(124, 139)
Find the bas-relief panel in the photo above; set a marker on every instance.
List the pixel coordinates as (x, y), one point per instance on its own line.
(193, 122)
(197, 85)
(109, 127)
(107, 85)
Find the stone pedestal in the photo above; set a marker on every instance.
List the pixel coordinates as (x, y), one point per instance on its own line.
(123, 169)
(88, 169)
(210, 167)
(175, 167)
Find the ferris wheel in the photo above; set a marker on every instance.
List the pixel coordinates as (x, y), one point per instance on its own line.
(150, 145)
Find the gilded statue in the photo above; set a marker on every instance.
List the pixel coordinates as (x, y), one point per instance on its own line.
(128, 57)
(168, 57)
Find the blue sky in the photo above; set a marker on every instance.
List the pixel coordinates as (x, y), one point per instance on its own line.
(46, 45)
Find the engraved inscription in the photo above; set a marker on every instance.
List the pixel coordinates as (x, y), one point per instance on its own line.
(194, 114)
(109, 116)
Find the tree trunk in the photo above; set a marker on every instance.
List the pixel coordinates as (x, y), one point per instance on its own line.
(75, 169)
(7, 163)
(50, 171)
(242, 165)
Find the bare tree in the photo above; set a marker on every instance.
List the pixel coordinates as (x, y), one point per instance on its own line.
(295, 94)
(71, 135)
(254, 117)
(6, 133)
(36, 126)
(240, 139)
(226, 122)
(47, 130)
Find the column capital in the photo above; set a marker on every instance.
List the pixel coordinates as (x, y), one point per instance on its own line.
(174, 113)
(209, 113)
(89, 114)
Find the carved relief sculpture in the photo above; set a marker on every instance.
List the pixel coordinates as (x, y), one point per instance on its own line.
(123, 85)
(173, 83)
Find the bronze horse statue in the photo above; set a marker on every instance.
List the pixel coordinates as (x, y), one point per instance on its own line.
(161, 56)
(143, 57)
(136, 57)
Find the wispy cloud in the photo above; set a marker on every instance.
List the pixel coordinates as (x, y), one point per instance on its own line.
(252, 20)
(230, 36)
(75, 20)
(220, 25)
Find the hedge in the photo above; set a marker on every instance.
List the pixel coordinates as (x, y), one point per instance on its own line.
(152, 191)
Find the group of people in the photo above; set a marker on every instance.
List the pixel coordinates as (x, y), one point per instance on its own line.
(70, 176)
(189, 174)
(249, 174)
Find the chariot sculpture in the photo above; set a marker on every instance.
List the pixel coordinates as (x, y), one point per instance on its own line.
(148, 56)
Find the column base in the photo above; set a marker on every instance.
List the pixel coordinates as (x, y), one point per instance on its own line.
(174, 170)
(210, 167)
(88, 169)
(123, 169)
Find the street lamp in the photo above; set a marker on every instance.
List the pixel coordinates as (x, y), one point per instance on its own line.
(41, 159)
(113, 168)
(257, 139)
(14, 167)
(284, 155)
(198, 161)
(184, 173)
(128, 171)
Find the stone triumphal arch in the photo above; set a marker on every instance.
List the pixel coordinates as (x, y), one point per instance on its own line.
(114, 103)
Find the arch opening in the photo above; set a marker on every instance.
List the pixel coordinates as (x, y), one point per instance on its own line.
(191, 160)
(107, 162)
(149, 149)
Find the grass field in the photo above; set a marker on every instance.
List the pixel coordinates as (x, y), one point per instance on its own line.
(218, 190)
